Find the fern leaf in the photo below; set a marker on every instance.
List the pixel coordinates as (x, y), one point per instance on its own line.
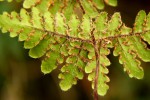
(68, 8)
(128, 58)
(147, 23)
(29, 3)
(73, 68)
(146, 36)
(63, 39)
(139, 21)
(32, 39)
(55, 7)
(89, 10)
(49, 63)
(107, 28)
(60, 24)
(48, 21)
(138, 46)
(99, 4)
(85, 28)
(74, 65)
(39, 50)
(52, 54)
(43, 5)
(114, 24)
(73, 26)
(111, 2)
(69, 76)
(101, 27)
(13, 26)
(102, 79)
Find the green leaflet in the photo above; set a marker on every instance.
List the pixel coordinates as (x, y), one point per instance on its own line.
(85, 28)
(51, 59)
(73, 69)
(29, 3)
(111, 2)
(48, 22)
(114, 24)
(146, 37)
(55, 6)
(91, 52)
(101, 21)
(70, 73)
(139, 22)
(98, 3)
(41, 48)
(138, 46)
(89, 10)
(44, 5)
(33, 39)
(13, 27)
(101, 25)
(36, 35)
(36, 18)
(49, 64)
(125, 30)
(69, 8)
(74, 25)
(147, 24)
(60, 24)
(105, 29)
(26, 21)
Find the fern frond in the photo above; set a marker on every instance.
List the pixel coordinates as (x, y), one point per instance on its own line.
(67, 6)
(73, 69)
(102, 78)
(146, 27)
(66, 40)
(111, 2)
(132, 47)
(29, 3)
(139, 21)
(128, 58)
(97, 4)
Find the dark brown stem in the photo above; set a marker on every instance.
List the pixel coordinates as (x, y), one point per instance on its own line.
(96, 73)
(81, 6)
(96, 48)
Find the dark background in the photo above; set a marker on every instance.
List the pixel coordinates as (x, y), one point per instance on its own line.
(21, 78)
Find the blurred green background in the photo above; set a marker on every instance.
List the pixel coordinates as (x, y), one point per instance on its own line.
(21, 78)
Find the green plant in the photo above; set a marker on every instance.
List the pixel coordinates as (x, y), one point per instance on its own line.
(79, 42)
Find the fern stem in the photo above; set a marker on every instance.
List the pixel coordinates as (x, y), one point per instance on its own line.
(96, 72)
(96, 49)
(81, 6)
(96, 76)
